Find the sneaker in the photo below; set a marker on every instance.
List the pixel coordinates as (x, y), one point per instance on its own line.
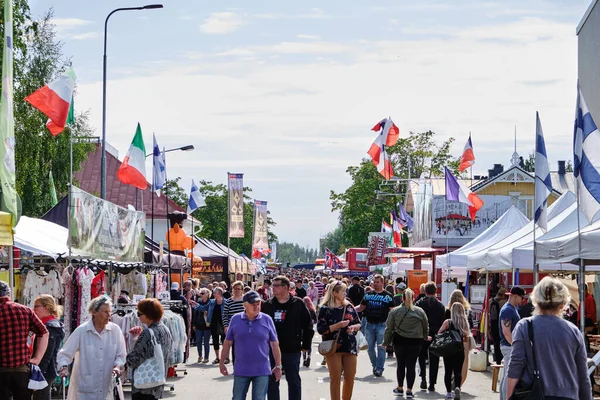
(226, 361)
(378, 373)
(398, 392)
(199, 360)
(307, 362)
(431, 388)
(423, 384)
(409, 395)
(457, 394)
(449, 395)
(205, 361)
(216, 361)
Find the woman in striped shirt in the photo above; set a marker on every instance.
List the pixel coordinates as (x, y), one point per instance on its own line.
(233, 305)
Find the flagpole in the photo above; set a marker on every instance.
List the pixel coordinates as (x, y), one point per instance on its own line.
(253, 226)
(228, 227)
(168, 227)
(446, 229)
(581, 269)
(152, 194)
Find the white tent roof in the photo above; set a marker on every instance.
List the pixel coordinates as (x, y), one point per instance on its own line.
(563, 202)
(522, 257)
(509, 222)
(565, 249)
(41, 237)
(499, 257)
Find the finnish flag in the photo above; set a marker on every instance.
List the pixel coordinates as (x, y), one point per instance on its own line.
(196, 201)
(543, 183)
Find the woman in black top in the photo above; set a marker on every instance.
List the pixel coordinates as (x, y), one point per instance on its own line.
(313, 317)
(338, 315)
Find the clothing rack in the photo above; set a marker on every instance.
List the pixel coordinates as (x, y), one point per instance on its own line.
(175, 305)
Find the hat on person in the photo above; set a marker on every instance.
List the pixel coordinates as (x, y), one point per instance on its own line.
(4, 289)
(401, 286)
(251, 297)
(175, 286)
(518, 290)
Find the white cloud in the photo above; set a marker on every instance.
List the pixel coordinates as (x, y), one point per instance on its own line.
(64, 24)
(308, 37)
(294, 118)
(86, 35)
(220, 23)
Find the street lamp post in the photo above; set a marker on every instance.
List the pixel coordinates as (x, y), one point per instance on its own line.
(103, 160)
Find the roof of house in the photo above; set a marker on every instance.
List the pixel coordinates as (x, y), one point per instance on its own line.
(88, 179)
(586, 15)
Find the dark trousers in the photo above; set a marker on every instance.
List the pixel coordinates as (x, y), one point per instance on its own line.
(14, 383)
(291, 367)
(495, 331)
(407, 352)
(453, 365)
(43, 394)
(139, 396)
(434, 363)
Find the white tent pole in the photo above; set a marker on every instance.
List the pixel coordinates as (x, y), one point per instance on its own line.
(486, 346)
(11, 272)
(581, 271)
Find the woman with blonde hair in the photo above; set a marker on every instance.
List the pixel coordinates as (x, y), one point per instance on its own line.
(405, 328)
(454, 363)
(556, 342)
(48, 312)
(458, 297)
(337, 316)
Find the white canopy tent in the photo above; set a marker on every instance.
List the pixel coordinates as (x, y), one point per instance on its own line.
(41, 237)
(499, 257)
(565, 249)
(511, 221)
(483, 259)
(522, 257)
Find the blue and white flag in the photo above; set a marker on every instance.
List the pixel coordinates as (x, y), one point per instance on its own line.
(196, 201)
(543, 183)
(586, 159)
(159, 168)
(405, 219)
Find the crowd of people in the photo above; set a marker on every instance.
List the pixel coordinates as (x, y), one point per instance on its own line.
(268, 332)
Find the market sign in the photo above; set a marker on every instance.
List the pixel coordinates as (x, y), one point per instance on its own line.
(6, 230)
(103, 230)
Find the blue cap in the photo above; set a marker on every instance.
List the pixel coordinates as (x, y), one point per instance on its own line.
(251, 297)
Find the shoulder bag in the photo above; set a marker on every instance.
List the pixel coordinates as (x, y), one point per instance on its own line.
(329, 347)
(447, 343)
(534, 390)
(151, 373)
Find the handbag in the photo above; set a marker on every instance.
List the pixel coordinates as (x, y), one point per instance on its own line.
(151, 373)
(447, 343)
(36, 378)
(329, 347)
(534, 390)
(361, 341)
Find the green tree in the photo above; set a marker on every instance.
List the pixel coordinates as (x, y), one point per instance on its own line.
(38, 59)
(569, 166)
(333, 240)
(293, 253)
(214, 215)
(530, 162)
(367, 202)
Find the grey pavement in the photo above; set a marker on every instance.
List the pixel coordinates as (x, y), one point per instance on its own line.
(204, 381)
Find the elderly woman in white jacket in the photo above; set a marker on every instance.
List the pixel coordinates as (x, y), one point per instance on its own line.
(98, 347)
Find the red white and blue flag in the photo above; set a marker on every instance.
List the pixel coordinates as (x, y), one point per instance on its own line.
(388, 136)
(457, 191)
(468, 158)
(332, 261)
(385, 227)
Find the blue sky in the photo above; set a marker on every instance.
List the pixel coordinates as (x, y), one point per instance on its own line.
(286, 92)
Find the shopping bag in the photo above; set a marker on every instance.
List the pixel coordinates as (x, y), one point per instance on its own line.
(361, 341)
(36, 378)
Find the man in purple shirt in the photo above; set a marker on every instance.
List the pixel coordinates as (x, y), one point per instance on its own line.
(252, 332)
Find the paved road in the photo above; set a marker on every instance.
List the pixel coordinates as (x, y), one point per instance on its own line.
(204, 381)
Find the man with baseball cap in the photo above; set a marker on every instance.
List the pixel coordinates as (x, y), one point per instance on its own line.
(509, 316)
(253, 333)
(16, 322)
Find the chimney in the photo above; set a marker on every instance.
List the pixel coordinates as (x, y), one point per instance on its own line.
(491, 173)
(498, 169)
(561, 168)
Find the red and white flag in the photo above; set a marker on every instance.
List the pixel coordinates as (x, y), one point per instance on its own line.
(468, 158)
(54, 100)
(388, 136)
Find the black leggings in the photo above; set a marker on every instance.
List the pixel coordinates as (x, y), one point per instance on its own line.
(140, 396)
(407, 352)
(214, 331)
(453, 364)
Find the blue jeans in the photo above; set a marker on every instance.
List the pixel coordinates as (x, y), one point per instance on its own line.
(241, 384)
(291, 367)
(374, 335)
(203, 337)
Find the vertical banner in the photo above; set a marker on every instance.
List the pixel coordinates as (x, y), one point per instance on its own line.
(274, 251)
(260, 240)
(7, 127)
(236, 206)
